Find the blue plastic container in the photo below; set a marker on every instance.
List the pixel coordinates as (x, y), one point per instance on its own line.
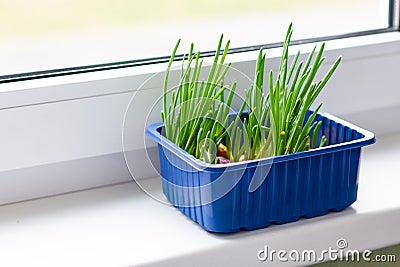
(304, 184)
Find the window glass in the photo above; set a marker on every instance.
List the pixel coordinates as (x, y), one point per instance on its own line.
(51, 34)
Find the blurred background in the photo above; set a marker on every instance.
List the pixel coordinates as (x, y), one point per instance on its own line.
(52, 34)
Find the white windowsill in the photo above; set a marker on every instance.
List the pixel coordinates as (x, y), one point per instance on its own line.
(119, 226)
(64, 134)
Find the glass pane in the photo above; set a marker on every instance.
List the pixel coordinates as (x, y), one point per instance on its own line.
(51, 34)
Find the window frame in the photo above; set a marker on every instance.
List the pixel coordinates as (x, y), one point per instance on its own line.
(91, 155)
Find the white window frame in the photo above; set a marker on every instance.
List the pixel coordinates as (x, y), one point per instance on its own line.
(63, 134)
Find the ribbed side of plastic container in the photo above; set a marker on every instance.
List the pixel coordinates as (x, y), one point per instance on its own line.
(306, 184)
